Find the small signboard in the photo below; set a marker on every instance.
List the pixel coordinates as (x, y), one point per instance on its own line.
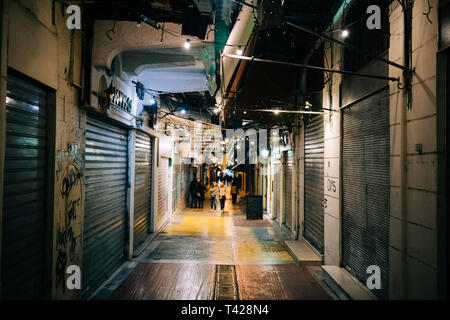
(254, 208)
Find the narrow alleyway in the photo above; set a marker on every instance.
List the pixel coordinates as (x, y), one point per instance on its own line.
(203, 255)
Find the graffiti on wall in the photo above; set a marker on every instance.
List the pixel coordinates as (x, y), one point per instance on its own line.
(65, 157)
(69, 195)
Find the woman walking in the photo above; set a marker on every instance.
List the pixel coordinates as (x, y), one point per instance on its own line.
(213, 193)
(223, 195)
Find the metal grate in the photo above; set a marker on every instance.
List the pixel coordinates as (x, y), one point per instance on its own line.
(24, 198)
(314, 181)
(366, 190)
(106, 172)
(225, 284)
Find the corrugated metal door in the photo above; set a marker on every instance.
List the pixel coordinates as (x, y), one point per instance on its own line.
(142, 188)
(366, 193)
(24, 199)
(276, 189)
(313, 219)
(106, 172)
(289, 159)
(163, 190)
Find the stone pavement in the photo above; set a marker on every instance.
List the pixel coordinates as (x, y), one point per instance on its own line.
(206, 255)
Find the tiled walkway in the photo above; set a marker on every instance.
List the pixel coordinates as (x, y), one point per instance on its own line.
(208, 255)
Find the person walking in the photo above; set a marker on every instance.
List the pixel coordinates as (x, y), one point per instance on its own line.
(201, 194)
(193, 189)
(213, 194)
(223, 195)
(234, 192)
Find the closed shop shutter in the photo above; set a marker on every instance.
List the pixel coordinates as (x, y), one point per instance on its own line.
(142, 188)
(365, 190)
(181, 185)
(276, 188)
(25, 183)
(163, 191)
(289, 158)
(313, 219)
(106, 172)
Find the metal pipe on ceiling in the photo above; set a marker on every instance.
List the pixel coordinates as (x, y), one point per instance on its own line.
(299, 65)
(347, 45)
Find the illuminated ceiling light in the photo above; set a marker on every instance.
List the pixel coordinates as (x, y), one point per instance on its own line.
(345, 33)
(308, 105)
(187, 44)
(245, 112)
(239, 51)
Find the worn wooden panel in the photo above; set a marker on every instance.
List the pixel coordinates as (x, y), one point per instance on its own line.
(277, 282)
(167, 281)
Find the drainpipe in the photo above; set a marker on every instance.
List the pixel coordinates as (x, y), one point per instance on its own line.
(407, 20)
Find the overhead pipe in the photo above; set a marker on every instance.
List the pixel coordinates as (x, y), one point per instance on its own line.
(300, 65)
(349, 46)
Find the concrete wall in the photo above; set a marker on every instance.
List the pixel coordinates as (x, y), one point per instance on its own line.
(413, 250)
(413, 231)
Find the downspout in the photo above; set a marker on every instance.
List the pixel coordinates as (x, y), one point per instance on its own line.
(407, 21)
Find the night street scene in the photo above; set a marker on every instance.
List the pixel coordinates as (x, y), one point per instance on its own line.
(247, 152)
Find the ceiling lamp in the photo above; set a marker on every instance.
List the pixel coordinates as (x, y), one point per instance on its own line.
(345, 33)
(187, 44)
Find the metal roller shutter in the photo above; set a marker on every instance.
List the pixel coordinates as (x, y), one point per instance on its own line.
(277, 189)
(366, 191)
(289, 159)
(142, 188)
(163, 190)
(313, 220)
(25, 183)
(106, 172)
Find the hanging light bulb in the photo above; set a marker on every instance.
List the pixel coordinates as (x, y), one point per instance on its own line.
(345, 33)
(187, 44)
